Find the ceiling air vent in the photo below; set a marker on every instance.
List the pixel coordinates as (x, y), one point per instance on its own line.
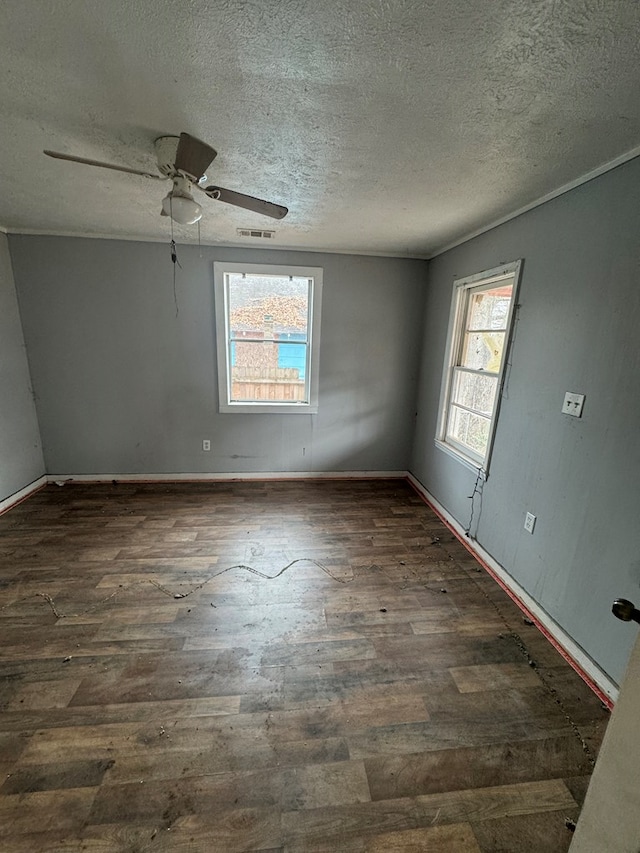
(254, 232)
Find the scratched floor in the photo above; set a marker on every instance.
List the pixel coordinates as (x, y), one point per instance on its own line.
(381, 694)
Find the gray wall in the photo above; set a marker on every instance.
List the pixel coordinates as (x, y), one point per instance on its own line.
(123, 385)
(578, 330)
(20, 452)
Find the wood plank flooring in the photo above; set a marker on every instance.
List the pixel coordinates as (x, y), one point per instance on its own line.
(168, 684)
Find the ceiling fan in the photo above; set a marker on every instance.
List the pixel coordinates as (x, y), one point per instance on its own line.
(184, 160)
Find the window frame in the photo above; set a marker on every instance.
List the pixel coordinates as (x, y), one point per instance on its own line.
(312, 370)
(463, 289)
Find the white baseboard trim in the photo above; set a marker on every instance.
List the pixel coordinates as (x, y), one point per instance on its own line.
(18, 497)
(574, 654)
(216, 478)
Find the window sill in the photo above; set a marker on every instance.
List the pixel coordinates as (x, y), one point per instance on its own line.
(472, 464)
(268, 409)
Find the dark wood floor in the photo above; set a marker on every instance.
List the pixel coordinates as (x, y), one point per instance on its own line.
(378, 695)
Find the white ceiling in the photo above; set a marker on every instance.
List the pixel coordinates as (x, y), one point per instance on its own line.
(386, 126)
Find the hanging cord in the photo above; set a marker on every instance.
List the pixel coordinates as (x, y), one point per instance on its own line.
(481, 479)
(174, 257)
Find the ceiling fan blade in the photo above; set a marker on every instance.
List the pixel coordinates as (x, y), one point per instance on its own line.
(58, 156)
(194, 156)
(248, 202)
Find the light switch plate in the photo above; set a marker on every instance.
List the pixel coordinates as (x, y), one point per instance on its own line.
(573, 404)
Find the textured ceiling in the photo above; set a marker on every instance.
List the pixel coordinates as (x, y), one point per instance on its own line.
(386, 126)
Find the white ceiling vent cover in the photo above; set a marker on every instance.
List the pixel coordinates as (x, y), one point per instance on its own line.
(256, 232)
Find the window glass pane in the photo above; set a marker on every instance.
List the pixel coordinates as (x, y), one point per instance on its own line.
(268, 307)
(257, 374)
(268, 323)
(482, 351)
(469, 429)
(489, 309)
(474, 391)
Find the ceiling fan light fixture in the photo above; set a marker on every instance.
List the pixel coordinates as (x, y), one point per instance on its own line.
(181, 208)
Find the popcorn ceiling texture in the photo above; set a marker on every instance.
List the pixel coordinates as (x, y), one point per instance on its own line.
(386, 126)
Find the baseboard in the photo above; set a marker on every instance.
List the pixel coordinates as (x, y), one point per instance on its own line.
(574, 654)
(23, 494)
(61, 479)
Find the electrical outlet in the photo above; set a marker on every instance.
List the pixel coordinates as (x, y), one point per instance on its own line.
(573, 404)
(529, 522)
(206, 444)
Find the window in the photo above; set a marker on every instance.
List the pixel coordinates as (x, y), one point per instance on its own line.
(477, 345)
(268, 336)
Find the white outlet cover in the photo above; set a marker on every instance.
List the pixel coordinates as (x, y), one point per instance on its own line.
(206, 444)
(573, 404)
(529, 522)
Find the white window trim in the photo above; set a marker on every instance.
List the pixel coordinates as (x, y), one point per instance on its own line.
(226, 406)
(454, 334)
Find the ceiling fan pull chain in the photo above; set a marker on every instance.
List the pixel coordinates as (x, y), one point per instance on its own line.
(174, 251)
(174, 254)
(174, 259)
